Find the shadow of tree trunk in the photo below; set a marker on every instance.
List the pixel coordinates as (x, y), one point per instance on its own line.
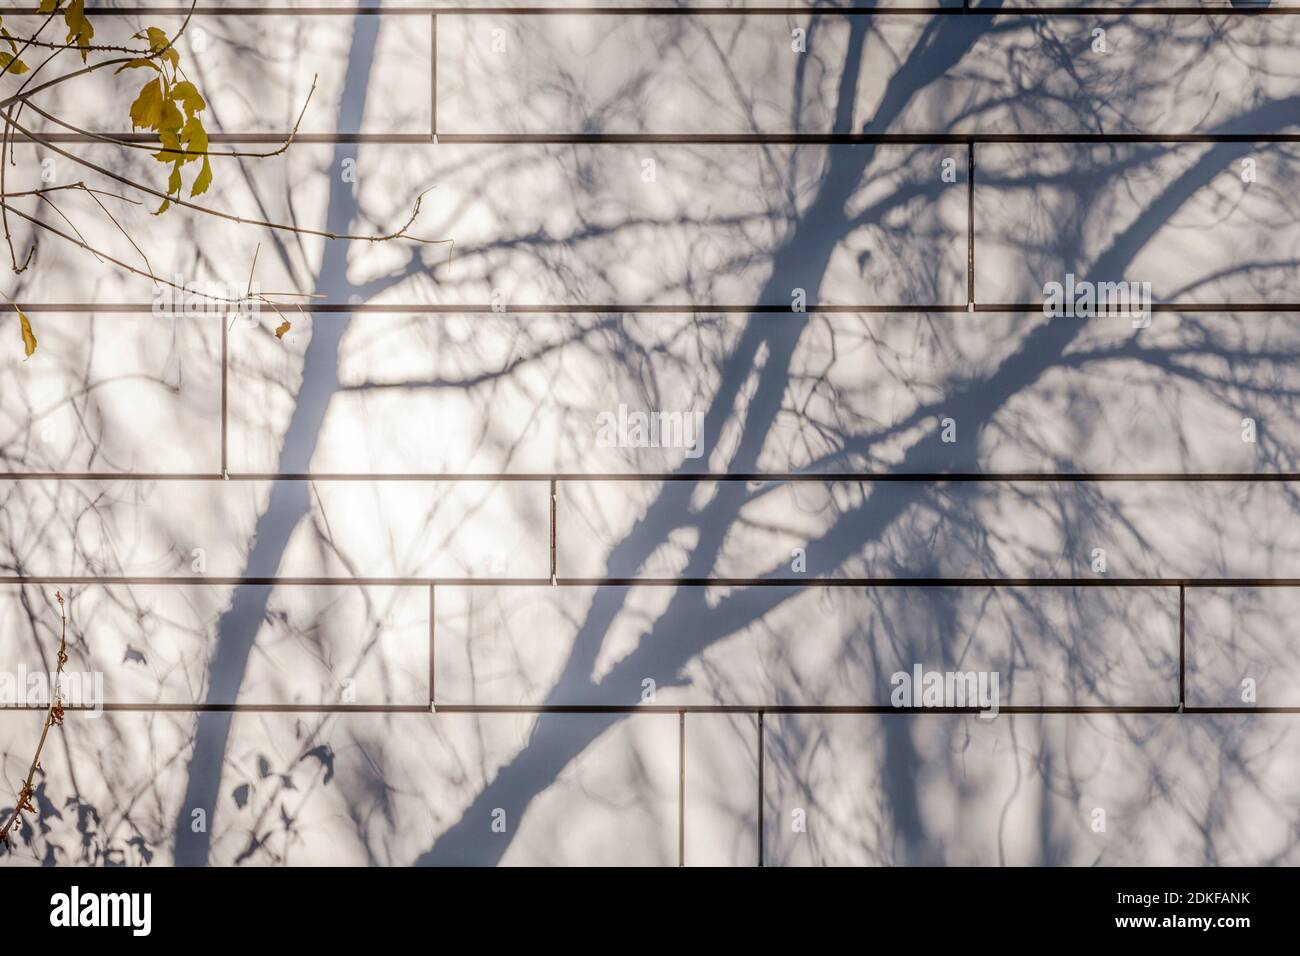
(289, 501)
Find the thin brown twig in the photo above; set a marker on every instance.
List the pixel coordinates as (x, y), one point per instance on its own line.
(137, 52)
(62, 215)
(80, 185)
(120, 228)
(53, 718)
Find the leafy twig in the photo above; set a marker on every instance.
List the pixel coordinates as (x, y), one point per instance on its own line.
(53, 718)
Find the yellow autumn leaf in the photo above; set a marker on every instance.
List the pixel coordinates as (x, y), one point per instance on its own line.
(190, 98)
(169, 117)
(195, 138)
(174, 180)
(29, 339)
(171, 147)
(282, 328)
(49, 6)
(203, 180)
(11, 64)
(158, 41)
(146, 111)
(166, 204)
(137, 64)
(79, 29)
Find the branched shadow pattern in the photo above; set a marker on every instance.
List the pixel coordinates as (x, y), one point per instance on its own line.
(809, 300)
